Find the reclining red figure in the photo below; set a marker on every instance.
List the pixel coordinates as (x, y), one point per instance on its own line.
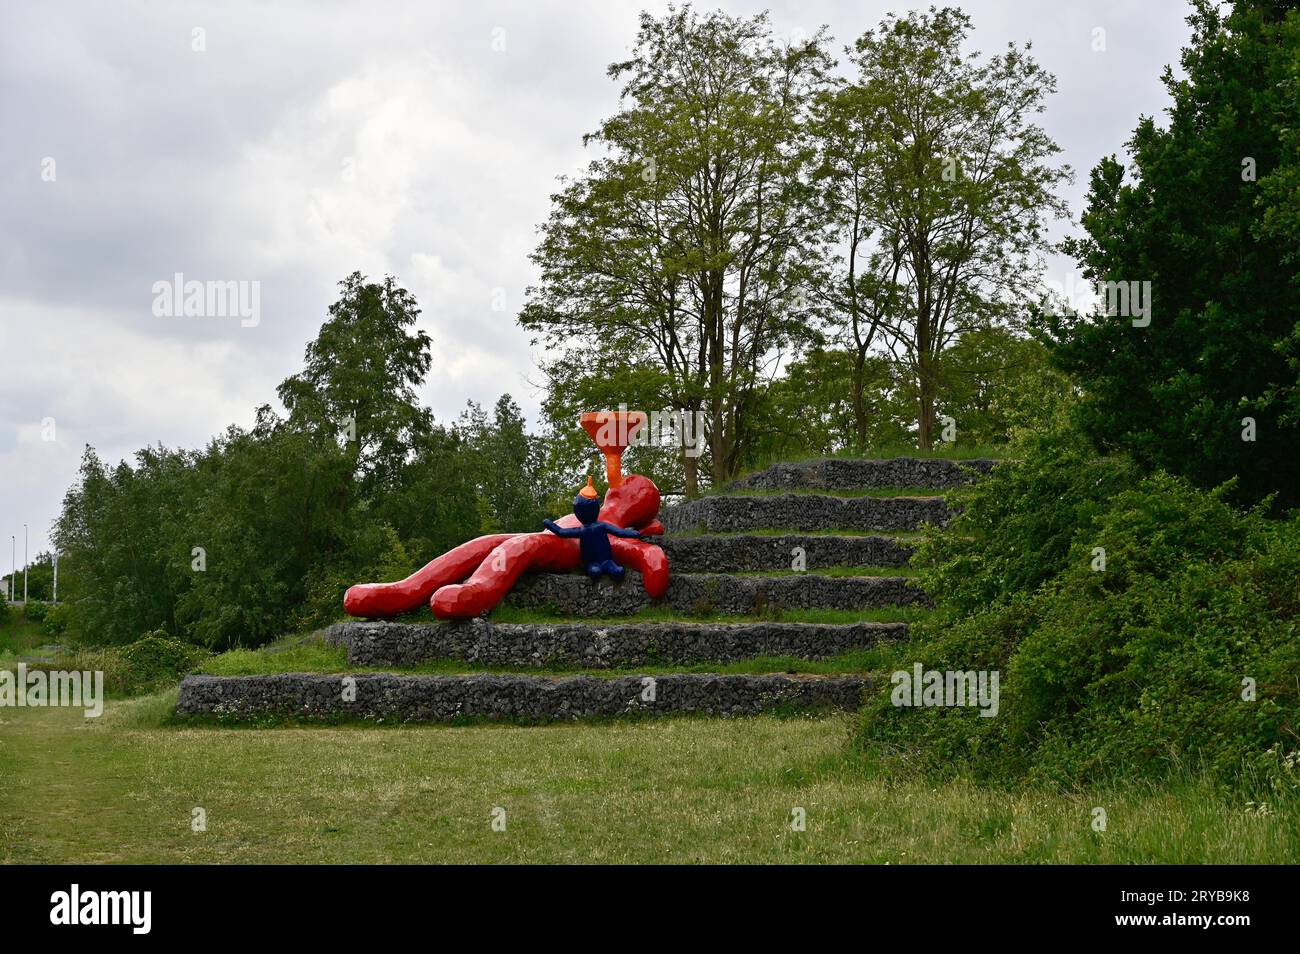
(474, 577)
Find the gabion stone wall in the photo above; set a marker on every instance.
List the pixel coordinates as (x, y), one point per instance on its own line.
(603, 646)
(572, 594)
(732, 553)
(400, 699)
(805, 512)
(850, 474)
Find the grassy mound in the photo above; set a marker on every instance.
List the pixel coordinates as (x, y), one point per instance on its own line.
(1140, 626)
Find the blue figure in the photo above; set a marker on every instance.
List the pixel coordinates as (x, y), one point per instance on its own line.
(593, 535)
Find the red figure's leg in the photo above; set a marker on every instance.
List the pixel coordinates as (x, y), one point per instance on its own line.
(391, 599)
(497, 573)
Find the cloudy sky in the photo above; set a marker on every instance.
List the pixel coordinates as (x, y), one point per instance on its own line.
(289, 144)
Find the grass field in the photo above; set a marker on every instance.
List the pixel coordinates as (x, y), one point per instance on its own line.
(123, 789)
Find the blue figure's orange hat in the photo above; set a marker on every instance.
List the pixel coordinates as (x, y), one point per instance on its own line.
(588, 491)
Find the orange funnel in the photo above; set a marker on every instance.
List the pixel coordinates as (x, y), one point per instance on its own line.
(612, 432)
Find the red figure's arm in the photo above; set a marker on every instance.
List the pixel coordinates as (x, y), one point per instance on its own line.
(649, 559)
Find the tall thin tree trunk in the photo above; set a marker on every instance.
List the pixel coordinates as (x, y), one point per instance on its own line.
(859, 402)
(925, 415)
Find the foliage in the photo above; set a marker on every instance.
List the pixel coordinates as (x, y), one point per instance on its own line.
(260, 532)
(508, 463)
(812, 409)
(685, 245)
(1134, 669)
(1208, 217)
(157, 660)
(56, 619)
(938, 154)
(360, 375)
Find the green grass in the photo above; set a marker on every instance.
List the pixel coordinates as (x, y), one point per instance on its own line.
(20, 636)
(123, 789)
(318, 657)
(656, 614)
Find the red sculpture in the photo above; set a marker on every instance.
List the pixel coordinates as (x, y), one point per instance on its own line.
(475, 576)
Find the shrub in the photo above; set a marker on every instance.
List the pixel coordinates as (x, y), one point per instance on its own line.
(1140, 668)
(56, 619)
(36, 611)
(157, 660)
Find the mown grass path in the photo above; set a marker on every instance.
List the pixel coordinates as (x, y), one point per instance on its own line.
(122, 789)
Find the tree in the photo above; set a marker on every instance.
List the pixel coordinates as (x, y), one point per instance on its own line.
(859, 283)
(687, 243)
(1208, 217)
(996, 384)
(360, 378)
(826, 402)
(259, 533)
(959, 186)
(506, 465)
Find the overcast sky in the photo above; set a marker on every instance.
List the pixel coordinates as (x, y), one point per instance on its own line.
(307, 140)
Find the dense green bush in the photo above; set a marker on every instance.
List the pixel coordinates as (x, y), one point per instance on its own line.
(56, 619)
(154, 662)
(36, 611)
(157, 660)
(1138, 668)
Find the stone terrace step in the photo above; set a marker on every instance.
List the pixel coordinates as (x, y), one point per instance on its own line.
(835, 473)
(572, 594)
(393, 698)
(720, 514)
(720, 553)
(607, 646)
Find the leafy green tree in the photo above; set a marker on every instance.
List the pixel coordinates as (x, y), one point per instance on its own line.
(360, 378)
(813, 409)
(996, 384)
(858, 284)
(260, 532)
(939, 154)
(1209, 217)
(111, 533)
(506, 464)
(688, 243)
